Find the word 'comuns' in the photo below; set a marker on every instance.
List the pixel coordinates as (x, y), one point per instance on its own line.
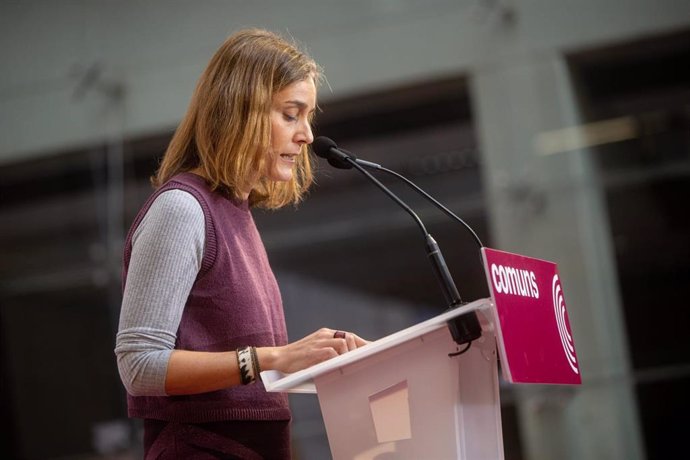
(509, 280)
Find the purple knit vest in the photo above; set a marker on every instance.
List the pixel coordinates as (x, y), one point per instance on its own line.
(234, 302)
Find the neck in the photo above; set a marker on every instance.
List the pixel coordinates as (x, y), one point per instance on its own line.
(200, 172)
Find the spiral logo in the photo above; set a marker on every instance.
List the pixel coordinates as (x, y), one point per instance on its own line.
(559, 310)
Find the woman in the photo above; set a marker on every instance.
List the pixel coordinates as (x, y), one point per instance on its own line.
(201, 313)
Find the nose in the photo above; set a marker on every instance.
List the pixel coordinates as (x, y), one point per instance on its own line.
(304, 134)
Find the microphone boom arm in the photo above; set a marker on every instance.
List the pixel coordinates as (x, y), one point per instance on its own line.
(390, 194)
(465, 328)
(433, 200)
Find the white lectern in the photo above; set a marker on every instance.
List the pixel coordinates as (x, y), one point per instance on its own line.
(404, 397)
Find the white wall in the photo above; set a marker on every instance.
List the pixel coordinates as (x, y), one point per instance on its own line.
(156, 50)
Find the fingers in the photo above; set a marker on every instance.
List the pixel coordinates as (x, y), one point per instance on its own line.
(351, 341)
(318, 346)
(359, 342)
(339, 345)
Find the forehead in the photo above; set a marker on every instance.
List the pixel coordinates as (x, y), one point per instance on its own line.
(300, 92)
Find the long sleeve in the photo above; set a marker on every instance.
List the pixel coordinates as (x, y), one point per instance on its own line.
(167, 251)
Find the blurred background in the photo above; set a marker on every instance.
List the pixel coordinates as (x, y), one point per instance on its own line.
(558, 129)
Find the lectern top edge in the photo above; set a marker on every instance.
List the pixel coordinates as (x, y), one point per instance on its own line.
(275, 381)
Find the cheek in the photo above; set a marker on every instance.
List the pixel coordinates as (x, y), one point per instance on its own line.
(280, 134)
(271, 161)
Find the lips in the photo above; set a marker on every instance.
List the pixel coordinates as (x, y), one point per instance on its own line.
(290, 157)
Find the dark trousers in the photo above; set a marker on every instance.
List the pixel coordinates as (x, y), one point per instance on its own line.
(245, 440)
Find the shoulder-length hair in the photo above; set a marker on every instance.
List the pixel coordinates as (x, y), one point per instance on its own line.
(226, 132)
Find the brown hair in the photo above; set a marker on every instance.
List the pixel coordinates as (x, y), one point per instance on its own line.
(226, 131)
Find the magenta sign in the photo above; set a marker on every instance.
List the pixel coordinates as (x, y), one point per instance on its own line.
(534, 336)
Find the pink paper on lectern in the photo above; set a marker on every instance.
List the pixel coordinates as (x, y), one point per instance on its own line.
(534, 336)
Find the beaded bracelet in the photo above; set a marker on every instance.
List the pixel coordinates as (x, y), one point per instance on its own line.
(245, 359)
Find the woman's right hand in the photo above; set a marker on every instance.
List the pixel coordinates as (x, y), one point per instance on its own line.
(312, 349)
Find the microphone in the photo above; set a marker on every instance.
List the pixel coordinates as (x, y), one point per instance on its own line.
(337, 157)
(465, 328)
(326, 148)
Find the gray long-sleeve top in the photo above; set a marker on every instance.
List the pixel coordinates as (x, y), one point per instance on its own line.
(167, 250)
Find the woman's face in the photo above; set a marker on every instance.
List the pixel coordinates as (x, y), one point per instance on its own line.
(291, 112)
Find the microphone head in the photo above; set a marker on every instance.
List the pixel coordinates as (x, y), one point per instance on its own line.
(328, 149)
(322, 146)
